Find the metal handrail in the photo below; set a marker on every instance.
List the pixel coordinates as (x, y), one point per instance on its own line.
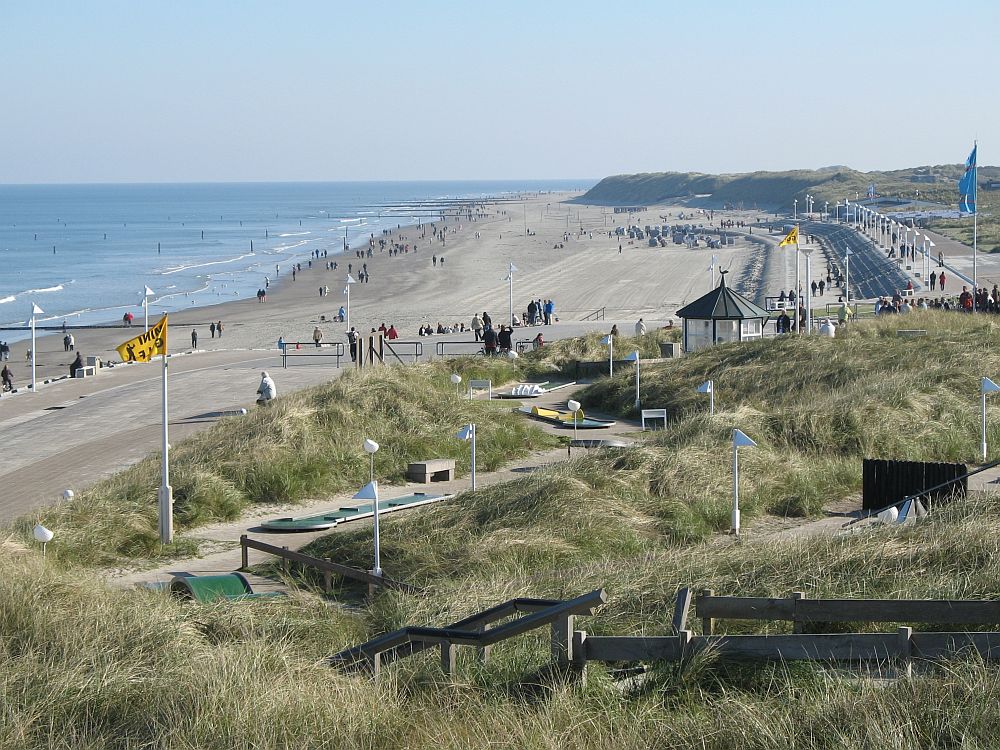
(338, 351)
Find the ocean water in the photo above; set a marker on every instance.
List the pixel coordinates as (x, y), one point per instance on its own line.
(84, 253)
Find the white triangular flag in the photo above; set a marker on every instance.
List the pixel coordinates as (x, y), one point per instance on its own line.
(742, 440)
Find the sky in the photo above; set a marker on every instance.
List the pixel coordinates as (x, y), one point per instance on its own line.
(186, 91)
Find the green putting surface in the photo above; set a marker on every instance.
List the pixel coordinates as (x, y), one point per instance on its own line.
(348, 513)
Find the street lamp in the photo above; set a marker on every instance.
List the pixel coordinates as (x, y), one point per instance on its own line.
(456, 381)
(740, 440)
(511, 268)
(42, 535)
(634, 357)
(826, 210)
(469, 433)
(574, 406)
(347, 291)
(711, 268)
(709, 387)
(35, 310)
(807, 251)
(985, 386)
(847, 273)
(609, 341)
(146, 294)
(370, 492)
(795, 209)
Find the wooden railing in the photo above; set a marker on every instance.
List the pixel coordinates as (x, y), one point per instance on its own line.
(476, 630)
(327, 567)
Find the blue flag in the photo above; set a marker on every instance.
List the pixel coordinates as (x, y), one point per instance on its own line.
(967, 185)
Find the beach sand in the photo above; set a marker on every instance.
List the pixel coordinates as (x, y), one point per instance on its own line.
(583, 276)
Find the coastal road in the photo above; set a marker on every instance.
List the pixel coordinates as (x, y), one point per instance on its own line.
(872, 274)
(73, 433)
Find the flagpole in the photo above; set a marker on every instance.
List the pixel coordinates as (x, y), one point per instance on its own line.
(34, 384)
(975, 228)
(166, 491)
(798, 287)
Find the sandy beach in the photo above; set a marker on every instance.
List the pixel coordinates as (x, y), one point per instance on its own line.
(585, 274)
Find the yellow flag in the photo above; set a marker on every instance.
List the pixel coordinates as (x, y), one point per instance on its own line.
(146, 345)
(791, 239)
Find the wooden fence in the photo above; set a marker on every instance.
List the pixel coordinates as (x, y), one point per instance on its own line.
(327, 567)
(886, 483)
(574, 648)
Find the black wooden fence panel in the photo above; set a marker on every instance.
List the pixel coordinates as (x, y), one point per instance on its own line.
(887, 482)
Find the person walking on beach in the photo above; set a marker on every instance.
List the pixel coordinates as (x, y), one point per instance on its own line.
(933, 278)
(317, 336)
(941, 281)
(66, 343)
(194, 338)
(477, 327)
(267, 390)
(487, 322)
(218, 328)
(392, 334)
(640, 328)
(4, 351)
(211, 329)
(72, 342)
(7, 379)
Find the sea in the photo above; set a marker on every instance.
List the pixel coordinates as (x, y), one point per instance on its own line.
(85, 254)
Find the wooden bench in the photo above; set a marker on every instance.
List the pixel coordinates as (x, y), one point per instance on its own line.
(433, 470)
(85, 371)
(654, 414)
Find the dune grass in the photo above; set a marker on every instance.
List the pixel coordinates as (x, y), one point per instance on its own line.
(86, 667)
(304, 445)
(82, 666)
(865, 392)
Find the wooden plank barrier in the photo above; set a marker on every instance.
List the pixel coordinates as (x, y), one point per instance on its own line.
(799, 609)
(327, 567)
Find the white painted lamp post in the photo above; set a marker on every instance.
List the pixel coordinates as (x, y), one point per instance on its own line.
(370, 492)
(146, 294)
(609, 341)
(510, 291)
(35, 310)
(709, 387)
(347, 291)
(469, 433)
(807, 251)
(847, 274)
(456, 380)
(68, 495)
(42, 535)
(574, 406)
(634, 357)
(985, 386)
(740, 440)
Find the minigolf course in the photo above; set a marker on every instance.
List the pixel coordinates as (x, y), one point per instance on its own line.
(566, 418)
(346, 513)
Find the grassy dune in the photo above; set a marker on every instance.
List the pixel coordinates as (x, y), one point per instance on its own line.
(306, 444)
(776, 191)
(82, 666)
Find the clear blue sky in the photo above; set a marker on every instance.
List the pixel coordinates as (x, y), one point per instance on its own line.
(184, 91)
